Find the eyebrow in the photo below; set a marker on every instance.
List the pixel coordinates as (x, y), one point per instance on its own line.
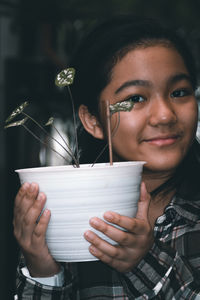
(139, 82)
(178, 77)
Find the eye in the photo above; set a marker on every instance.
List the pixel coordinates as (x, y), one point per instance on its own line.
(180, 93)
(135, 99)
(127, 104)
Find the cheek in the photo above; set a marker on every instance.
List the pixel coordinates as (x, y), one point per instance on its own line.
(126, 130)
(126, 124)
(189, 119)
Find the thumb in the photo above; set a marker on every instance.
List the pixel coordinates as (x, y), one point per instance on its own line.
(144, 202)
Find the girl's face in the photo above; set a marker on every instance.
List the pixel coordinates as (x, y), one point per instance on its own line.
(162, 124)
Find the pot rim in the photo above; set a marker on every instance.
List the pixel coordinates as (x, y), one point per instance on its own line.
(83, 167)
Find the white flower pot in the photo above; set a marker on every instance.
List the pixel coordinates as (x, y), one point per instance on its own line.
(74, 195)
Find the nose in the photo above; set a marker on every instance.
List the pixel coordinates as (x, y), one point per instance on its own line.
(162, 112)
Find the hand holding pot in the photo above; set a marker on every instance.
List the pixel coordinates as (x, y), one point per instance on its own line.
(30, 231)
(133, 243)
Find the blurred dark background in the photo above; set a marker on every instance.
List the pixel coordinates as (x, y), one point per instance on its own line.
(37, 39)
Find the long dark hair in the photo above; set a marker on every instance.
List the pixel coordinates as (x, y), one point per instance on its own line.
(94, 60)
(186, 178)
(109, 42)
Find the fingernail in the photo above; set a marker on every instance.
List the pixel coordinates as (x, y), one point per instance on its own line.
(93, 250)
(40, 197)
(32, 187)
(109, 216)
(46, 211)
(94, 222)
(88, 235)
(25, 185)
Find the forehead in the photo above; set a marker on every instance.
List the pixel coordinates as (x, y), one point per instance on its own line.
(144, 61)
(156, 66)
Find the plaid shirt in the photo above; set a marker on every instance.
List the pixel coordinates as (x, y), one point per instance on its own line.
(170, 270)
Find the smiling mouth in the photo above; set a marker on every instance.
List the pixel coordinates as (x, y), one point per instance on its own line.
(163, 141)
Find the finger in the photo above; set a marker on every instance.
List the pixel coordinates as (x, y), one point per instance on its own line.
(27, 199)
(18, 200)
(132, 225)
(121, 265)
(21, 193)
(102, 247)
(117, 235)
(114, 256)
(22, 203)
(102, 256)
(143, 204)
(29, 220)
(41, 227)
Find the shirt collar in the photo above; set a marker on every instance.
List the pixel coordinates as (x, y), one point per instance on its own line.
(190, 210)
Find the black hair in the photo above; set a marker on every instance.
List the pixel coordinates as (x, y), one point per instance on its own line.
(108, 43)
(94, 60)
(185, 180)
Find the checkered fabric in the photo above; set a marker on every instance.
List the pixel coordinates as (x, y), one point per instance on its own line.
(170, 270)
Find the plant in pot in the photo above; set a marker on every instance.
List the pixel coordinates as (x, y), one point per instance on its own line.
(77, 192)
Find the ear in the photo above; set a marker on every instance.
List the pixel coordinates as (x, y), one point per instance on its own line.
(90, 122)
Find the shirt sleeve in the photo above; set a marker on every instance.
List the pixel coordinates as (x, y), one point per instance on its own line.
(56, 280)
(32, 288)
(163, 274)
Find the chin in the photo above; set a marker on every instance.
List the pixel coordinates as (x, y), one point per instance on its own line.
(165, 165)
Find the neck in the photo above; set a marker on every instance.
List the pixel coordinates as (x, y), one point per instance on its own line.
(158, 202)
(154, 179)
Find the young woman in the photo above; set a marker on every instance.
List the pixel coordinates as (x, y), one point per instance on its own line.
(158, 256)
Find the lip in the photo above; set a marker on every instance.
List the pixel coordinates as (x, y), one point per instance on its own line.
(163, 140)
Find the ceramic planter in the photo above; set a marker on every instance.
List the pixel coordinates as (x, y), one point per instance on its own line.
(74, 195)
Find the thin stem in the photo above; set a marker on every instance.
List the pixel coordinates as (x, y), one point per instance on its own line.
(109, 132)
(104, 148)
(75, 124)
(38, 124)
(68, 150)
(60, 135)
(117, 126)
(46, 132)
(102, 151)
(41, 141)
